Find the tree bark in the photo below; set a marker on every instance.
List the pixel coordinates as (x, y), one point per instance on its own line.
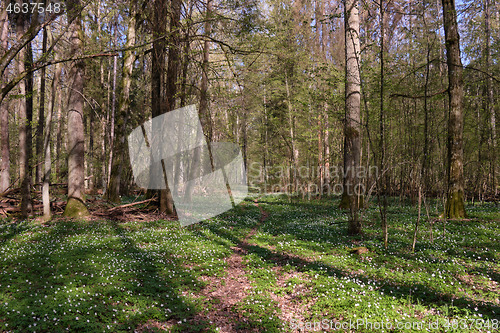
(183, 93)
(352, 128)
(75, 206)
(113, 109)
(173, 55)
(25, 120)
(383, 183)
(113, 191)
(455, 199)
(490, 103)
(326, 158)
(41, 115)
(46, 141)
(204, 112)
(158, 102)
(205, 118)
(59, 129)
(294, 152)
(4, 107)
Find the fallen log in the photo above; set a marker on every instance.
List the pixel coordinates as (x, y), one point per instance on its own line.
(131, 204)
(10, 191)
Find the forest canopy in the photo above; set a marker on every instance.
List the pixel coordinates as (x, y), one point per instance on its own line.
(408, 88)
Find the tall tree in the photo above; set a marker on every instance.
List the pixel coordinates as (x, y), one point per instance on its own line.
(4, 108)
(112, 115)
(352, 126)
(25, 107)
(382, 185)
(75, 206)
(204, 113)
(489, 93)
(173, 54)
(113, 191)
(158, 105)
(41, 115)
(47, 133)
(205, 118)
(455, 200)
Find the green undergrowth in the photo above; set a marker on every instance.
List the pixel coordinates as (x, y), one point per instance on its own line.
(107, 276)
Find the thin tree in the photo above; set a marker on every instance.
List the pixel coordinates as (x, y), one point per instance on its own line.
(24, 109)
(455, 199)
(204, 111)
(41, 115)
(383, 183)
(111, 123)
(489, 94)
(4, 107)
(47, 133)
(173, 54)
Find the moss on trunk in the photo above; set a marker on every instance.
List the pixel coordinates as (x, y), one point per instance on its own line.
(344, 202)
(455, 208)
(75, 208)
(354, 227)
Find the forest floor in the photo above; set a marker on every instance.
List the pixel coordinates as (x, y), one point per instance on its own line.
(269, 265)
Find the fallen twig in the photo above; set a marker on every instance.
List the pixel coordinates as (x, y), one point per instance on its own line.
(131, 204)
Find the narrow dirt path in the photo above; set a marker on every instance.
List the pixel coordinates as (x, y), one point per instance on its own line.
(289, 304)
(225, 293)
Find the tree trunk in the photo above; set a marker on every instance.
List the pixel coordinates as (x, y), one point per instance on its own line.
(183, 94)
(41, 115)
(60, 124)
(158, 102)
(489, 97)
(204, 112)
(455, 201)
(119, 147)
(326, 158)
(352, 128)
(383, 182)
(48, 130)
(205, 118)
(294, 152)
(75, 206)
(113, 109)
(320, 154)
(173, 55)
(4, 107)
(172, 76)
(25, 121)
